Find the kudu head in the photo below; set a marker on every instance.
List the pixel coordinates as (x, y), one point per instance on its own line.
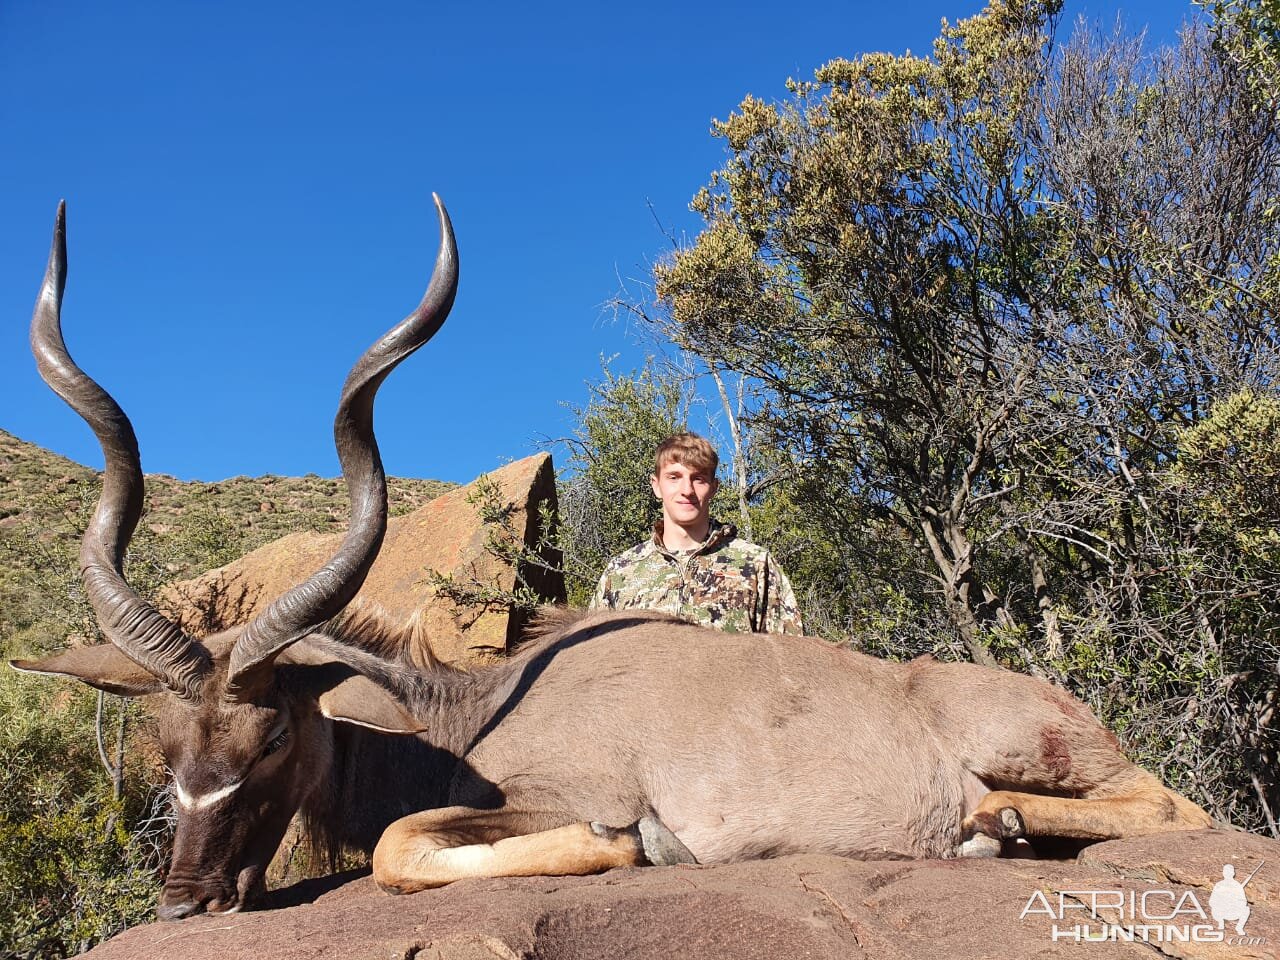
(241, 714)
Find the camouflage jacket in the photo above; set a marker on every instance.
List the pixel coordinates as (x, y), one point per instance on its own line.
(726, 583)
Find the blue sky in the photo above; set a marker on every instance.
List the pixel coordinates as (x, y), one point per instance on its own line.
(248, 189)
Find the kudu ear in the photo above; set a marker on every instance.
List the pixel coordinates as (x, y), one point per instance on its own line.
(361, 701)
(102, 666)
(349, 697)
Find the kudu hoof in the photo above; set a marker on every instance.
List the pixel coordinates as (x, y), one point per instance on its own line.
(662, 848)
(985, 833)
(1011, 823)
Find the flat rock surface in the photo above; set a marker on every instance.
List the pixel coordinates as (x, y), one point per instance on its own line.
(802, 906)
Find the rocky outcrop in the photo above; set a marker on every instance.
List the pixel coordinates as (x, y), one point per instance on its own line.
(802, 906)
(446, 537)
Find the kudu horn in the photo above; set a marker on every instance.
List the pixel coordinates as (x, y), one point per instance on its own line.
(128, 621)
(325, 593)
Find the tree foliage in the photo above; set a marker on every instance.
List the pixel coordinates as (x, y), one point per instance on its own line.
(605, 501)
(993, 299)
(1249, 32)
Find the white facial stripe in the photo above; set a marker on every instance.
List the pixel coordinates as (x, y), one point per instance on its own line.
(188, 802)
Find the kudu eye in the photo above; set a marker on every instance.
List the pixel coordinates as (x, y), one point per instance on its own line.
(276, 743)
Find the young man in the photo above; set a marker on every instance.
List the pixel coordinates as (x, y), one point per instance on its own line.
(694, 566)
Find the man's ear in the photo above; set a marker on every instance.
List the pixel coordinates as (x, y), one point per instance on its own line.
(102, 666)
(348, 697)
(653, 482)
(715, 485)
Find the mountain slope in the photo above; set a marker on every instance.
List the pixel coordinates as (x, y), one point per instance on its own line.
(186, 528)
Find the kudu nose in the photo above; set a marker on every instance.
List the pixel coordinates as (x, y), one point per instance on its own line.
(182, 899)
(180, 910)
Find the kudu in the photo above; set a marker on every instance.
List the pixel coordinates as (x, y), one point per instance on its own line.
(612, 739)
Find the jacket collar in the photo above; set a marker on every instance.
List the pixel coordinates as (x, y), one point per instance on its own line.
(717, 534)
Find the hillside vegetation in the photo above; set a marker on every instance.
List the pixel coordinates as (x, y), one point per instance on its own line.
(188, 526)
(84, 819)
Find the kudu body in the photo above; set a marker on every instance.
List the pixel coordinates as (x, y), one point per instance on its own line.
(612, 739)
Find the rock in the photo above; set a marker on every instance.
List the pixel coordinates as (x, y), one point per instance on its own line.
(445, 535)
(810, 905)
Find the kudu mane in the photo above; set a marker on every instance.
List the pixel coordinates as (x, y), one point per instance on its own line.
(367, 628)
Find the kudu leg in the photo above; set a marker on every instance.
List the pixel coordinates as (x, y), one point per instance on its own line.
(436, 847)
(1142, 806)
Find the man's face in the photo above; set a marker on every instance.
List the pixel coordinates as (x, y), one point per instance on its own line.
(685, 493)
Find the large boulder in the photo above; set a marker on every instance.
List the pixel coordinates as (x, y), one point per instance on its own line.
(803, 906)
(445, 538)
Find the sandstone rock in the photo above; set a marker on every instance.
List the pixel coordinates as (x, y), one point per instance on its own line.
(445, 535)
(802, 906)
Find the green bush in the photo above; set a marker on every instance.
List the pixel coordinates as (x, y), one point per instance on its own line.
(76, 864)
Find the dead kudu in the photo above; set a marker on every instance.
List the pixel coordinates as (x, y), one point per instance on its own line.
(621, 739)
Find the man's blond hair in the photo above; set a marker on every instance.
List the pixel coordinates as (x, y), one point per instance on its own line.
(689, 449)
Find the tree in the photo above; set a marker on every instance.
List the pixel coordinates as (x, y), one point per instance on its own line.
(868, 258)
(605, 501)
(985, 295)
